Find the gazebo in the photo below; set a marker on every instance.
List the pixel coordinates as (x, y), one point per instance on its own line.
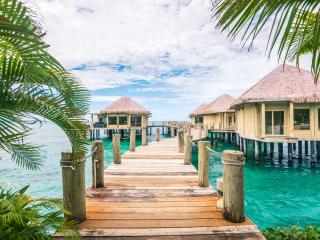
(124, 113)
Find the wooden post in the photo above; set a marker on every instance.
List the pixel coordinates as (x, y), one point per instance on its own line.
(271, 149)
(300, 149)
(180, 141)
(144, 137)
(313, 152)
(132, 139)
(280, 151)
(203, 163)
(116, 149)
(187, 149)
(306, 148)
(290, 155)
(233, 185)
(73, 186)
(98, 164)
(318, 150)
(172, 131)
(157, 134)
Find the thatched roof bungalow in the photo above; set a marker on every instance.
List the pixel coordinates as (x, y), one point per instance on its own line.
(218, 115)
(283, 104)
(123, 114)
(196, 115)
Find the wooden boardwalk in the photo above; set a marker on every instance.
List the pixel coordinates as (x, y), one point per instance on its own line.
(153, 194)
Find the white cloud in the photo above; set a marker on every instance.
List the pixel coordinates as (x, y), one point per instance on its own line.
(152, 36)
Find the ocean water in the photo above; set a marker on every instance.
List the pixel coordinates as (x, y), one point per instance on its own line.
(276, 193)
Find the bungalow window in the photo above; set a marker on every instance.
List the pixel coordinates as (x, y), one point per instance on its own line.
(136, 121)
(230, 118)
(112, 120)
(123, 120)
(301, 119)
(199, 119)
(274, 122)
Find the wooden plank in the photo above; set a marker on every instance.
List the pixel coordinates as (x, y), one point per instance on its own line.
(152, 193)
(167, 223)
(96, 202)
(153, 216)
(194, 232)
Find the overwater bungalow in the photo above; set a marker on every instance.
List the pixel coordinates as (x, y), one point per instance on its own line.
(124, 113)
(282, 107)
(218, 116)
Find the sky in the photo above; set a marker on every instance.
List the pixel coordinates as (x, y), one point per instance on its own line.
(165, 54)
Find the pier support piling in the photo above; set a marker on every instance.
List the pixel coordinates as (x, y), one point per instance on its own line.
(132, 139)
(313, 152)
(180, 141)
(157, 134)
(300, 150)
(290, 155)
(73, 186)
(233, 186)
(203, 163)
(187, 149)
(144, 136)
(98, 164)
(116, 149)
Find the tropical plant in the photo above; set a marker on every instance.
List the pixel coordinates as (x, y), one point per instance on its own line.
(294, 232)
(23, 217)
(33, 84)
(294, 26)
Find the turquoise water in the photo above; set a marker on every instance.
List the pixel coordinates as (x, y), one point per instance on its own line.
(275, 193)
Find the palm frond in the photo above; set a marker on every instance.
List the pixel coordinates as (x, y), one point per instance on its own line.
(288, 20)
(34, 82)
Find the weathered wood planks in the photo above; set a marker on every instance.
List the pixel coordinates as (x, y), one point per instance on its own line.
(152, 193)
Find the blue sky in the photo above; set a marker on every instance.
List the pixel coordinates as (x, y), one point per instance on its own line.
(166, 54)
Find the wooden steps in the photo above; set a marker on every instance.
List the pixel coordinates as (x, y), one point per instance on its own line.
(153, 194)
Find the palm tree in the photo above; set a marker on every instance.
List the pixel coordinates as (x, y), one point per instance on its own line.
(34, 85)
(23, 217)
(294, 26)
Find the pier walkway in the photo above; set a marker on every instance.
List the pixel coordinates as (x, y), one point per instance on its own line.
(153, 195)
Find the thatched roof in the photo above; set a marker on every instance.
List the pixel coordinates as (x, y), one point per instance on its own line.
(125, 105)
(220, 104)
(198, 110)
(284, 83)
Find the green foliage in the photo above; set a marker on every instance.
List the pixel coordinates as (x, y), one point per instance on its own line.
(33, 84)
(293, 233)
(23, 217)
(294, 26)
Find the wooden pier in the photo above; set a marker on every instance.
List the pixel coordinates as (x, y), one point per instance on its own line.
(153, 195)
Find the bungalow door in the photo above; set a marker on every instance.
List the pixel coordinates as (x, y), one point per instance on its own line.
(274, 122)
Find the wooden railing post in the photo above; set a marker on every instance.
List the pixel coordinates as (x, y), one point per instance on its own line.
(144, 137)
(187, 149)
(172, 132)
(116, 149)
(233, 186)
(73, 186)
(157, 134)
(98, 164)
(180, 141)
(203, 163)
(132, 139)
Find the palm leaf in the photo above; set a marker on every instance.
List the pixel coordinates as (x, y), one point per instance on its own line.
(294, 30)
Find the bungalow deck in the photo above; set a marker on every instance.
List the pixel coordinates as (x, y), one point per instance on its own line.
(152, 194)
